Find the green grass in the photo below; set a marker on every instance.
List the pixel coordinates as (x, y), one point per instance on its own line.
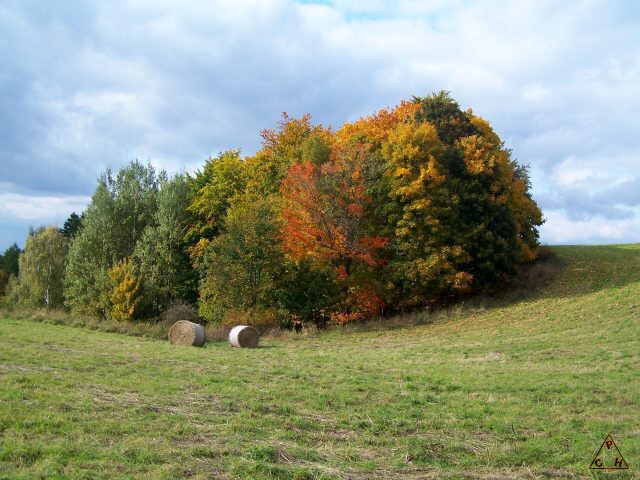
(514, 386)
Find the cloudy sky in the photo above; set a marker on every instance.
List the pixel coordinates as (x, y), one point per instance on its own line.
(90, 85)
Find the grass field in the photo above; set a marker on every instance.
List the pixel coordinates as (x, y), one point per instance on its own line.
(514, 386)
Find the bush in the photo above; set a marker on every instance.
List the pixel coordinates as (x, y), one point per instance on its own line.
(267, 322)
(62, 317)
(308, 292)
(180, 310)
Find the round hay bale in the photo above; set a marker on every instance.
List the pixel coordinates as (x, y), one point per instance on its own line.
(184, 332)
(244, 336)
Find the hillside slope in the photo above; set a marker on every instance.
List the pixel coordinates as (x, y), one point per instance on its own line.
(519, 388)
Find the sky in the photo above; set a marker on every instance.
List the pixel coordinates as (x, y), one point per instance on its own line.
(86, 86)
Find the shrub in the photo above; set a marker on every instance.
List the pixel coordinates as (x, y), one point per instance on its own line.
(307, 294)
(180, 310)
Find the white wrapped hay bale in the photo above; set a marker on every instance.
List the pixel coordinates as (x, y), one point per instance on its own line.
(184, 332)
(244, 336)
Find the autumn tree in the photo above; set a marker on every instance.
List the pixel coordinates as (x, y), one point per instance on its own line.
(126, 290)
(328, 217)
(462, 212)
(428, 247)
(295, 140)
(402, 207)
(455, 207)
(211, 192)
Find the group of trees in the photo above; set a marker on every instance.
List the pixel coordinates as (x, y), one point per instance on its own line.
(8, 267)
(391, 211)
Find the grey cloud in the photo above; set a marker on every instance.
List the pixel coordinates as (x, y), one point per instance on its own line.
(627, 193)
(88, 85)
(612, 203)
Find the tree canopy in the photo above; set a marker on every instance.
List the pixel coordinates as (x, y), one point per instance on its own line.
(9, 260)
(40, 280)
(394, 210)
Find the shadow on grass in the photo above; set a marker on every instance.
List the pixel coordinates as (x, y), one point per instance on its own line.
(559, 272)
(590, 269)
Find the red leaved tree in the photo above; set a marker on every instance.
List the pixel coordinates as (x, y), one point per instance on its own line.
(327, 216)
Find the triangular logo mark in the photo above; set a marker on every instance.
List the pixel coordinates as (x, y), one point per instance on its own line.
(608, 457)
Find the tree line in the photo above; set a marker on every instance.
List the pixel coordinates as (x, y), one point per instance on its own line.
(405, 207)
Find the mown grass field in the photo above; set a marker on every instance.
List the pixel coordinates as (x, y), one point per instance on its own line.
(514, 386)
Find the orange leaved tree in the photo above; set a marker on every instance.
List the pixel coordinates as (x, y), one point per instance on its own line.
(328, 212)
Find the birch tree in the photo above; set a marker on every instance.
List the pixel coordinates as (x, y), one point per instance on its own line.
(42, 269)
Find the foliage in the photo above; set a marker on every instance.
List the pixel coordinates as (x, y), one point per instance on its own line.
(179, 310)
(162, 251)
(4, 280)
(402, 208)
(120, 210)
(212, 190)
(396, 209)
(444, 113)
(309, 292)
(72, 225)
(40, 281)
(12, 292)
(465, 219)
(241, 266)
(126, 293)
(426, 242)
(9, 260)
(325, 210)
(295, 140)
(328, 217)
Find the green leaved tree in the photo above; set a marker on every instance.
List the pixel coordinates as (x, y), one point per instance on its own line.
(162, 252)
(72, 225)
(9, 260)
(242, 265)
(40, 281)
(212, 191)
(120, 210)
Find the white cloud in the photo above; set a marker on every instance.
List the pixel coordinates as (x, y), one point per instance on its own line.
(560, 230)
(39, 208)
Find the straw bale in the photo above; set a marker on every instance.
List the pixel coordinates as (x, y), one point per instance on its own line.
(184, 332)
(244, 336)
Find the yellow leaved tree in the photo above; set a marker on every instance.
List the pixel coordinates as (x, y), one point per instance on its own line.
(126, 293)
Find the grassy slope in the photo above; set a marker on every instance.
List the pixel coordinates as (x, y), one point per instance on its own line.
(525, 388)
